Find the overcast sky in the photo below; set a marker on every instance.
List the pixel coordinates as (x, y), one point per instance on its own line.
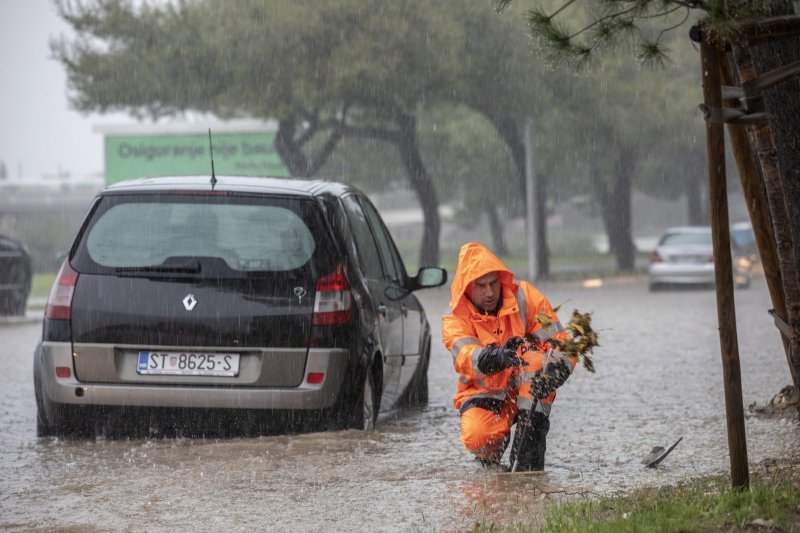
(39, 134)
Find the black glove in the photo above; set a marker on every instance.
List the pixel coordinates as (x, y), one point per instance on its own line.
(556, 370)
(497, 358)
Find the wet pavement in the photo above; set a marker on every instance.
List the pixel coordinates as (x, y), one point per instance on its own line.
(658, 378)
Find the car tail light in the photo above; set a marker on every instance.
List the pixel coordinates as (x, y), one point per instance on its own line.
(315, 378)
(655, 257)
(60, 301)
(333, 304)
(63, 372)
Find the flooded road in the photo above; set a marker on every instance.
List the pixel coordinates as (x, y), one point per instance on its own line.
(659, 377)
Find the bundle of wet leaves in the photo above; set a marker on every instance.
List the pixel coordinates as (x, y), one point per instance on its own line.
(583, 339)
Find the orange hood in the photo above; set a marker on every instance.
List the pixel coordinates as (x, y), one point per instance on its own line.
(474, 261)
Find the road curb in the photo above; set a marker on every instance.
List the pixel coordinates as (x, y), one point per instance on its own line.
(30, 318)
(593, 282)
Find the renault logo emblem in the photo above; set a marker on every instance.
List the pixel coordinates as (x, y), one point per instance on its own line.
(299, 292)
(189, 302)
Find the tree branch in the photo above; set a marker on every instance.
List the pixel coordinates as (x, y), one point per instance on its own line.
(327, 149)
(313, 126)
(619, 14)
(560, 9)
(338, 126)
(679, 24)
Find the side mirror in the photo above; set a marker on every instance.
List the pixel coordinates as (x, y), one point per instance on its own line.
(429, 277)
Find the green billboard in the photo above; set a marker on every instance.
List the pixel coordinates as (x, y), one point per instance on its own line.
(235, 154)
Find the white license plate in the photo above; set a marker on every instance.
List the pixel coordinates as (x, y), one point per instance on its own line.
(188, 364)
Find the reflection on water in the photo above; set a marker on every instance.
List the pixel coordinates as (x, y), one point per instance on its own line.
(658, 378)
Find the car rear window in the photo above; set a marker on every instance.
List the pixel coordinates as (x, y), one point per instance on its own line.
(247, 234)
(743, 237)
(671, 239)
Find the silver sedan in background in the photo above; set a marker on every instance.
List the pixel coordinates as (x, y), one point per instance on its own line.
(684, 256)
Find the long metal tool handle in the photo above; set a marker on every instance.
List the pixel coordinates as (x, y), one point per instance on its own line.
(522, 437)
(527, 426)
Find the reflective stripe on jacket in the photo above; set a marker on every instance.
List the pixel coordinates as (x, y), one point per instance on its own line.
(466, 331)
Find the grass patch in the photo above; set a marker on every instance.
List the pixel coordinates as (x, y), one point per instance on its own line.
(707, 505)
(771, 503)
(41, 285)
(562, 268)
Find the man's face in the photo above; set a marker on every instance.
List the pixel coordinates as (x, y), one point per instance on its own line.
(485, 291)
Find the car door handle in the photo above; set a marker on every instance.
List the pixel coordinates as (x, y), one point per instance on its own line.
(404, 310)
(382, 309)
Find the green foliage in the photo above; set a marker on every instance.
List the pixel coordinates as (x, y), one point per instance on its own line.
(652, 55)
(369, 164)
(465, 73)
(638, 24)
(262, 59)
(500, 5)
(571, 34)
(471, 162)
(41, 284)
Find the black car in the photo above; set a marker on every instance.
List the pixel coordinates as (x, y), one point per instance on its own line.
(189, 299)
(15, 276)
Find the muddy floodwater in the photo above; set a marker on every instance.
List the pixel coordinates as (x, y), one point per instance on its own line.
(659, 377)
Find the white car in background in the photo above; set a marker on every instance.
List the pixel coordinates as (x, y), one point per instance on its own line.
(743, 241)
(684, 256)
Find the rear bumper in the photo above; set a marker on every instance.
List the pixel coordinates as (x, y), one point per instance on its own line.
(694, 274)
(689, 274)
(70, 391)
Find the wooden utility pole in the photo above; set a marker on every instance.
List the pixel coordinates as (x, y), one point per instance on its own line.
(723, 272)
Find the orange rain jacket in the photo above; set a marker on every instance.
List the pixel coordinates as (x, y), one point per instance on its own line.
(466, 331)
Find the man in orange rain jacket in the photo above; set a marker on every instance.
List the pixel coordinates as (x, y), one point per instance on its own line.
(499, 383)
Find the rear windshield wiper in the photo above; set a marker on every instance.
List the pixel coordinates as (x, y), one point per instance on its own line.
(189, 267)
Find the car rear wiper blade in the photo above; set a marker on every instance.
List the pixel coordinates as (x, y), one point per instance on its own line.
(191, 267)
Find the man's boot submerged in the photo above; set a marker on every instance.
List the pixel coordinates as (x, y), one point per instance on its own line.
(530, 441)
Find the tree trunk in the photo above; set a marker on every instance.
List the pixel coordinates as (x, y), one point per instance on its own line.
(767, 152)
(290, 147)
(783, 106)
(615, 205)
(757, 207)
(697, 209)
(508, 129)
(496, 229)
(291, 153)
(542, 248)
(422, 185)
